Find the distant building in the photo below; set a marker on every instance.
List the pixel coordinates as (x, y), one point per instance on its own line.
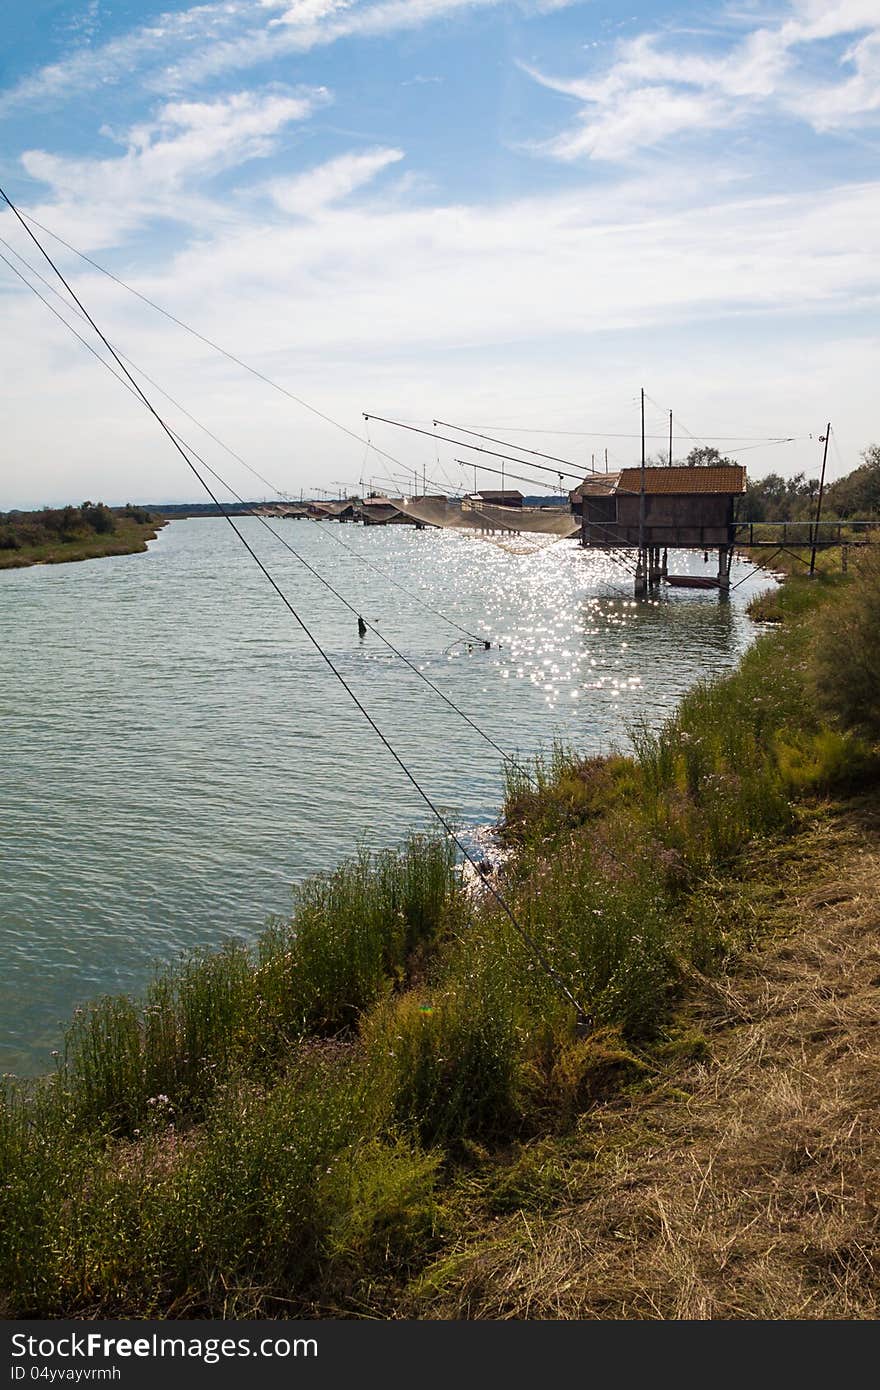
(384, 511)
(346, 509)
(504, 498)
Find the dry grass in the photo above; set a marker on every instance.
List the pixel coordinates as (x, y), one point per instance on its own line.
(744, 1186)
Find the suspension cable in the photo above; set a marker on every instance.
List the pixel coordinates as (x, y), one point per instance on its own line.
(525, 936)
(462, 444)
(473, 636)
(492, 440)
(248, 511)
(25, 218)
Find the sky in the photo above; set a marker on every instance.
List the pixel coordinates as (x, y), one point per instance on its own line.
(508, 214)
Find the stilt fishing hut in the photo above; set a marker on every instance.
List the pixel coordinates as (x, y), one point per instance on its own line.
(385, 511)
(654, 510)
(492, 497)
(343, 510)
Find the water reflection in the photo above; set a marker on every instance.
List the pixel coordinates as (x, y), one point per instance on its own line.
(176, 753)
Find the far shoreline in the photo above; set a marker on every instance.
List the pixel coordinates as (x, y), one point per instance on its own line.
(29, 542)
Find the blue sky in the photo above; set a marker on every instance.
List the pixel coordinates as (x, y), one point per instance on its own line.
(501, 212)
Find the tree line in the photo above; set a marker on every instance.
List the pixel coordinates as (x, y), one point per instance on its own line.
(51, 525)
(774, 498)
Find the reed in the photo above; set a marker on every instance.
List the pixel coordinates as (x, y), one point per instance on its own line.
(272, 1129)
(351, 937)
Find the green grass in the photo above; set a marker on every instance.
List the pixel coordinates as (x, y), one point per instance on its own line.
(284, 1128)
(353, 937)
(799, 595)
(794, 559)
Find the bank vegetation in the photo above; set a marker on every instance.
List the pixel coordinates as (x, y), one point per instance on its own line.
(56, 535)
(388, 1107)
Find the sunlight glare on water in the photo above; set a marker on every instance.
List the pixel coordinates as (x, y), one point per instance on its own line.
(176, 753)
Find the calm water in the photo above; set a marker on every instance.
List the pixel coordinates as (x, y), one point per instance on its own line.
(175, 753)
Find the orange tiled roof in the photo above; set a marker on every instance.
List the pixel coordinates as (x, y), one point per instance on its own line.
(727, 478)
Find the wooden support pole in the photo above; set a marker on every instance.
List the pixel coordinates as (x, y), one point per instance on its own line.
(815, 536)
(642, 567)
(640, 580)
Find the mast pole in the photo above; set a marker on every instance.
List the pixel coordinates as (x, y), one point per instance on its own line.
(642, 566)
(819, 501)
(670, 439)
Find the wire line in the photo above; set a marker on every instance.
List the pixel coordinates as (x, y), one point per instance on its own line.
(295, 553)
(24, 218)
(476, 637)
(526, 937)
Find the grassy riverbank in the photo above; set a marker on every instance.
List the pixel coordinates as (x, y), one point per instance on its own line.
(793, 559)
(57, 536)
(366, 1112)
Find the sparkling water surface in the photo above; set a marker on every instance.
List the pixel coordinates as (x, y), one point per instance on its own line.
(176, 753)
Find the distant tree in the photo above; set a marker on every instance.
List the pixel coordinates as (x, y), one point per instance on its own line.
(764, 499)
(660, 458)
(705, 456)
(71, 519)
(99, 516)
(858, 494)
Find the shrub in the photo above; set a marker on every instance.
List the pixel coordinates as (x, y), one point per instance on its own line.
(381, 1210)
(447, 1060)
(825, 761)
(564, 791)
(353, 932)
(350, 940)
(845, 656)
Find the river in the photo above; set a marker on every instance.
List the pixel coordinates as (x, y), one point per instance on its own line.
(176, 753)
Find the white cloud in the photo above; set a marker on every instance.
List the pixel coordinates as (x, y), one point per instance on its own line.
(310, 11)
(299, 35)
(88, 68)
(166, 162)
(552, 266)
(309, 193)
(648, 116)
(188, 46)
(487, 311)
(657, 88)
(829, 106)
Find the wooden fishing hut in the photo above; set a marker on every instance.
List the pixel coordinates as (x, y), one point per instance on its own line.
(658, 509)
(385, 511)
(492, 497)
(346, 509)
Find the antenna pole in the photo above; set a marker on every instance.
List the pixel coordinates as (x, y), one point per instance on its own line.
(670, 439)
(819, 501)
(642, 566)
